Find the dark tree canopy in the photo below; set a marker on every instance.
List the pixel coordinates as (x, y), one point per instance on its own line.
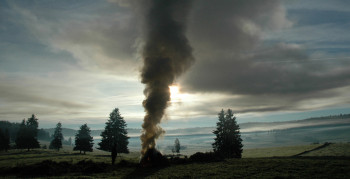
(4, 139)
(57, 136)
(11, 127)
(26, 135)
(228, 142)
(83, 139)
(21, 142)
(32, 125)
(114, 137)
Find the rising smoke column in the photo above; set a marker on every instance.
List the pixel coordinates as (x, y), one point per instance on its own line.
(166, 55)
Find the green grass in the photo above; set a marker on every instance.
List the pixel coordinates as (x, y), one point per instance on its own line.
(337, 149)
(261, 168)
(277, 151)
(256, 163)
(22, 157)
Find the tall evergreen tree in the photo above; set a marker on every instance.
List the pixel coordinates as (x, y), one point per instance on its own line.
(26, 135)
(32, 125)
(70, 141)
(177, 145)
(32, 132)
(21, 142)
(114, 137)
(228, 142)
(56, 142)
(83, 139)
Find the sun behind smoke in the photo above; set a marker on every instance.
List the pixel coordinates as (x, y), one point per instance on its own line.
(174, 92)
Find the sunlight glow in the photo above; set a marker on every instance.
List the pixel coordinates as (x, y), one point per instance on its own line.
(177, 96)
(174, 92)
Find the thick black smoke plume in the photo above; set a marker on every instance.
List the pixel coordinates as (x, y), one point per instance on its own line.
(166, 55)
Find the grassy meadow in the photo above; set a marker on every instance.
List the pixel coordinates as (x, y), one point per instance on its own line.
(330, 161)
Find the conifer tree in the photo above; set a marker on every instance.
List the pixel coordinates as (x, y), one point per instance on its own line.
(32, 132)
(114, 137)
(228, 142)
(32, 125)
(70, 141)
(177, 145)
(21, 142)
(83, 139)
(26, 136)
(57, 136)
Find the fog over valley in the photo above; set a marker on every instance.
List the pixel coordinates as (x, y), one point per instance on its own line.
(254, 134)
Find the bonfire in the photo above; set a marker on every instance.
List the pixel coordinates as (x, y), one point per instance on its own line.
(153, 158)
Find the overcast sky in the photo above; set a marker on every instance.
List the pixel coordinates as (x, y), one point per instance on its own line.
(75, 61)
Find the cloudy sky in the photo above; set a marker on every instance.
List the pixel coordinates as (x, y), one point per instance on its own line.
(75, 61)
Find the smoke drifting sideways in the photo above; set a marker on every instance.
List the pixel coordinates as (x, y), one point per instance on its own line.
(166, 55)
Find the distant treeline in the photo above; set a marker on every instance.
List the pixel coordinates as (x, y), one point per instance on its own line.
(340, 116)
(72, 132)
(14, 127)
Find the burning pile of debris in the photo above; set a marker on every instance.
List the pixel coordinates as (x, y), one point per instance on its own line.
(153, 158)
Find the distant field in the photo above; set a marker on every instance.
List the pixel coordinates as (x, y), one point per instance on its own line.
(277, 151)
(337, 149)
(260, 168)
(273, 162)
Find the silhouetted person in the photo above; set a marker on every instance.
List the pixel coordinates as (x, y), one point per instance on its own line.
(114, 153)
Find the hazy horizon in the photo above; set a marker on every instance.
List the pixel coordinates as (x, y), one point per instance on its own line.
(255, 126)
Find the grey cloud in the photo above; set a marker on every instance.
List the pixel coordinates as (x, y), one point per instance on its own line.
(244, 66)
(227, 40)
(101, 36)
(27, 96)
(116, 38)
(233, 25)
(266, 103)
(236, 61)
(277, 71)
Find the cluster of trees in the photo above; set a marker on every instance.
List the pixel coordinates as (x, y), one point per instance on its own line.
(27, 134)
(114, 137)
(83, 139)
(228, 142)
(4, 140)
(13, 129)
(9, 129)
